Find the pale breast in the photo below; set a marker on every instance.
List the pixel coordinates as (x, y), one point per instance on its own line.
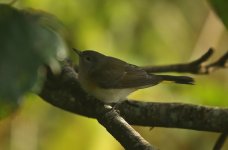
(111, 95)
(105, 95)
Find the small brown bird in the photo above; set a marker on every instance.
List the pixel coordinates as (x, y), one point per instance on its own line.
(111, 80)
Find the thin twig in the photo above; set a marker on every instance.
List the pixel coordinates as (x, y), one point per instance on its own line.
(220, 63)
(203, 58)
(220, 142)
(197, 66)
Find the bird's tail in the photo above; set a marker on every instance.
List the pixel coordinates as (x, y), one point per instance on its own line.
(177, 79)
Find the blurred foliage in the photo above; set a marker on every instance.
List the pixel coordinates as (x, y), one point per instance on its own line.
(141, 32)
(221, 8)
(28, 40)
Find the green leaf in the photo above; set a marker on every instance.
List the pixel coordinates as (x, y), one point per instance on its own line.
(221, 8)
(28, 40)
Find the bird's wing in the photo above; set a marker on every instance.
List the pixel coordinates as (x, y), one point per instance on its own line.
(123, 75)
(135, 77)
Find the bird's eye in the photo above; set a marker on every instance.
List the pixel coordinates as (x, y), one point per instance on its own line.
(88, 58)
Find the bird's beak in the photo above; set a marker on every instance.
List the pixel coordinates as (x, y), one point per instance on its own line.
(78, 52)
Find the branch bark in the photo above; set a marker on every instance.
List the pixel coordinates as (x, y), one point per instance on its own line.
(175, 115)
(122, 131)
(64, 91)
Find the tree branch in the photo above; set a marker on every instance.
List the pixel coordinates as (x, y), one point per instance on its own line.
(123, 132)
(64, 91)
(175, 115)
(197, 66)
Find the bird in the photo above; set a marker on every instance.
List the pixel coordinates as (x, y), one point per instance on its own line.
(111, 80)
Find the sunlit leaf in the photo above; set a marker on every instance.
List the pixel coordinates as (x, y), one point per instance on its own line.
(28, 40)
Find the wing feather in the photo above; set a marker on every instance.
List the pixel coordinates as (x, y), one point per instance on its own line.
(123, 75)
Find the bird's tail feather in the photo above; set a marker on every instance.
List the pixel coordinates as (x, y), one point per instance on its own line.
(178, 79)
